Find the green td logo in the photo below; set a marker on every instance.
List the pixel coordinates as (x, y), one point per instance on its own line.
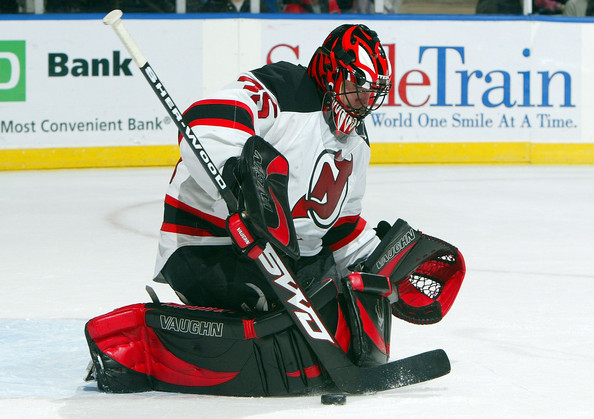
(12, 71)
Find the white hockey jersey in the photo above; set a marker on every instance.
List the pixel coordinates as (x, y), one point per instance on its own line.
(280, 103)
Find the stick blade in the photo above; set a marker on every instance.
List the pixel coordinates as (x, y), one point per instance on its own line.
(403, 372)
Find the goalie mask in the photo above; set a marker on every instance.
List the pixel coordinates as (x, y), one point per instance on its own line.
(352, 71)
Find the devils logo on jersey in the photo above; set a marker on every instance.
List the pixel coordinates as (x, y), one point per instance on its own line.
(327, 192)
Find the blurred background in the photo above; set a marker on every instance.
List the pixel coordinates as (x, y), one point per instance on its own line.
(451, 7)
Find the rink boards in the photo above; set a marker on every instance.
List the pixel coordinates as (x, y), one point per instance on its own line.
(469, 90)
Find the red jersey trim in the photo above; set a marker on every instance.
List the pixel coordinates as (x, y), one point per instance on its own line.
(218, 122)
(352, 236)
(219, 222)
(190, 231)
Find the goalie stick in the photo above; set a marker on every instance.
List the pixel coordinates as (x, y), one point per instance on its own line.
(346, 376)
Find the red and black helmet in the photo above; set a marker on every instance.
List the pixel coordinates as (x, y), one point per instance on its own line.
(353, 72)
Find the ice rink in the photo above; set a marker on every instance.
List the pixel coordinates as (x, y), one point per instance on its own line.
(75, 244)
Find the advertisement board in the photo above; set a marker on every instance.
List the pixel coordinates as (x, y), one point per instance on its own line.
(77, 87)
(500, 88)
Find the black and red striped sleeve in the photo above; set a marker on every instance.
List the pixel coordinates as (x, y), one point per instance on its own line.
(181, 218)
(344, 231)
(220, 113)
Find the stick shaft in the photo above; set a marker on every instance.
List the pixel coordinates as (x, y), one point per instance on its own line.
(346, 376)
(188, 134)
(343, 372)
(113, 19)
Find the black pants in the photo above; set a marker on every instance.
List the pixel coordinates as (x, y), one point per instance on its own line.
(216, 276)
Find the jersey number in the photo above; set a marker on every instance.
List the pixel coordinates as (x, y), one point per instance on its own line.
(260, 97)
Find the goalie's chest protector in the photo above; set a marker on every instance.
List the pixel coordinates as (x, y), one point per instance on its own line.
(326, 177)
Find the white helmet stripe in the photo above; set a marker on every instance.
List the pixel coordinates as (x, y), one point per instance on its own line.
(366, 64)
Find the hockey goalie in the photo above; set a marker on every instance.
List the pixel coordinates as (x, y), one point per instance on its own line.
(290, 142)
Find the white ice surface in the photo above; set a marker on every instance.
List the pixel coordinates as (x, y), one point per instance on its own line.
(78, 243)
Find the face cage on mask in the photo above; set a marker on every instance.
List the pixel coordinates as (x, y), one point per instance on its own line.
(341, 116)
(369, 96)
(341, 123)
